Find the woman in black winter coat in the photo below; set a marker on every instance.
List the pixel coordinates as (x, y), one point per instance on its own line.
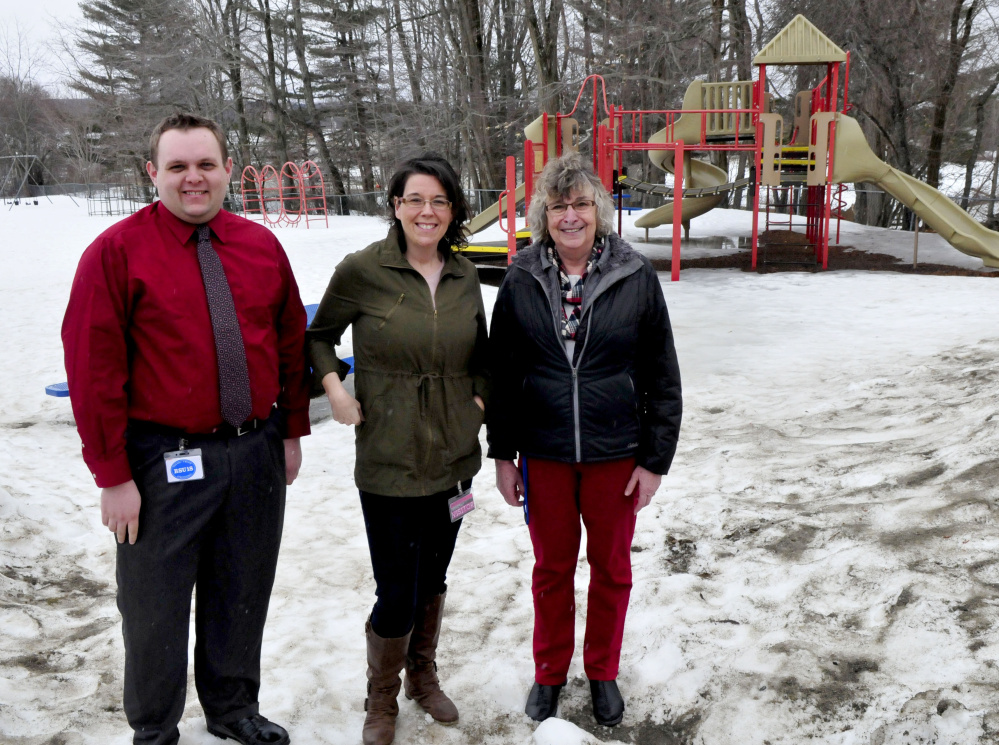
(587, 394)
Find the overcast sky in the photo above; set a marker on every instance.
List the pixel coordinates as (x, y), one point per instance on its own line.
(37, 12)
(35, 21)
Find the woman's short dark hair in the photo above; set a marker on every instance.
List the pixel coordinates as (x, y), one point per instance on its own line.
(432, 164)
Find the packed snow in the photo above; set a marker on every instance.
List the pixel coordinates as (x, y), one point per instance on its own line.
(820, 565)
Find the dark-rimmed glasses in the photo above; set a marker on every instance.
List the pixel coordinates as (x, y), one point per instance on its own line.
(437, 204)
(580, 205)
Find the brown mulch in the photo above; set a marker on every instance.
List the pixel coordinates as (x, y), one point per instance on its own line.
(785, 251)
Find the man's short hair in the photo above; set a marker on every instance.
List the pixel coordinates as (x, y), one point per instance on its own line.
(184, 121)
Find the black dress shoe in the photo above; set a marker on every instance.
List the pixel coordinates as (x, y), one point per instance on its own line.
(253, 730)
(542, 702)
(608, 706)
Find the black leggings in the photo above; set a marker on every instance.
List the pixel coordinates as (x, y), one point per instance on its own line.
(411, 540)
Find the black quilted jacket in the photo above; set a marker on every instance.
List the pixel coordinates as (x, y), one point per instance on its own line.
(619, 397)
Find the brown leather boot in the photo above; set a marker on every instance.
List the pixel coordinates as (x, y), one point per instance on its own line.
(421, 663)
(386, 658)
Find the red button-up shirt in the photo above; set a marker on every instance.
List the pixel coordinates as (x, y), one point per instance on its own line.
(138, 335)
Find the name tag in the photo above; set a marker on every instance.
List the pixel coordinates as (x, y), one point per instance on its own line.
(183, 465)
(461, 505)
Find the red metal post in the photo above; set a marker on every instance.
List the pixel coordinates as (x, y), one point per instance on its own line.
(594, 130)
(511, 208)
(677, 210)
(828, 204)
(604, 146)
(846, 86)
(544, 140)
(758, 106)
(529, 156)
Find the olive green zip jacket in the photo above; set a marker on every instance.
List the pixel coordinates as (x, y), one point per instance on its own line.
(416, 367)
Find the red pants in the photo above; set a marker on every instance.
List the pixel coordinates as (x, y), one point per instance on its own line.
(558, 495)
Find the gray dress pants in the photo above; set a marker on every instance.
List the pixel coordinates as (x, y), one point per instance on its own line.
(218, 536)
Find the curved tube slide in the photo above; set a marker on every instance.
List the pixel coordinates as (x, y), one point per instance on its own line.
(854, 161)
(697, 173)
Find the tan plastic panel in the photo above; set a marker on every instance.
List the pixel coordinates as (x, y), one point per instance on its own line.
(737, 94)
(818, 153)
(535, 133)
(802, 110)
(799, 43)
(773, 136)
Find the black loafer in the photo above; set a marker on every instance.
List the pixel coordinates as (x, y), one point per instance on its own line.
(254, 730)
(542, 702)
(608, 706)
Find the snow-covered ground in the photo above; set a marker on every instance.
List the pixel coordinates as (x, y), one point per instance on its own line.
(821, 565)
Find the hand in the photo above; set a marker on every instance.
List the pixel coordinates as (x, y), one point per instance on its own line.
(509, 482)
(292, 459)
(120, 510)
(346, 408)
(647, 483)
(479, 402)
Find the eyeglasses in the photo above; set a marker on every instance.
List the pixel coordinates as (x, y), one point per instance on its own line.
(580, 205)
(437, 204)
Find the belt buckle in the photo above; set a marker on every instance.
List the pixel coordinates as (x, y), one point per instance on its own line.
(245, 429)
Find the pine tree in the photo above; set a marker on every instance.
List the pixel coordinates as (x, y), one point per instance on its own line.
(139, 61)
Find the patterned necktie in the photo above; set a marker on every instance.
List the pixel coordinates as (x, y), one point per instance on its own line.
(234, 381)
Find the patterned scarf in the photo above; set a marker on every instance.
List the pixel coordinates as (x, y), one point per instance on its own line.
(572, 292)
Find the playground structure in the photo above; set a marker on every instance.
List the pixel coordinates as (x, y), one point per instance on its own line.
(803, 175)
(290, 196)
(118, 200)
(20, 170)
(25, 171)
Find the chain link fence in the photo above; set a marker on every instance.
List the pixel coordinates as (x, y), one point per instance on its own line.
(120, 200)
(871, 205)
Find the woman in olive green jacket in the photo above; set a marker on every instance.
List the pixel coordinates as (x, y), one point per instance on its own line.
(419, 339)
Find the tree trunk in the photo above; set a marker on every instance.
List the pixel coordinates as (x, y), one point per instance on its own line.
(742, 39)
(981, 104)
(271, 82)
(412, 65)
(991, 220)
(960, 34)
(544, 40)
(312, 123)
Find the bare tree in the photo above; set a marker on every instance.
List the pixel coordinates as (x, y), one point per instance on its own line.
(981, 106)
(543, 25)
(312, 118)
(962, 19)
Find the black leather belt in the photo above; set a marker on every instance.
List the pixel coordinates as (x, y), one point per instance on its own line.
(225, 431)
(222, 432)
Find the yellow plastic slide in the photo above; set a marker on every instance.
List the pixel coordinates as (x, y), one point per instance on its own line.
(697, 173)
(491, 213)
(535, 132)
(854, 161)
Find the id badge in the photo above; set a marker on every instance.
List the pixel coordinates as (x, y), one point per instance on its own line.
(461, 505)
(183, 465)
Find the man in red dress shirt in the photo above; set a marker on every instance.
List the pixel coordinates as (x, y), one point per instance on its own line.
(194, 501)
